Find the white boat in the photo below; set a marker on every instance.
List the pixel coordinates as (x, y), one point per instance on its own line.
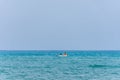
(63, 55)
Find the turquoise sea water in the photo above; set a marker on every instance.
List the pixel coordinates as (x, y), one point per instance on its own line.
(47, 65)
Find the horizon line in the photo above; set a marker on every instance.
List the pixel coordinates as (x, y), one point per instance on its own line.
(55, 50)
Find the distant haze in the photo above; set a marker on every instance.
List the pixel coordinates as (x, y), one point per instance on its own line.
(59, 24)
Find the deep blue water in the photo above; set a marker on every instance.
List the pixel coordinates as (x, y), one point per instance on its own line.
(47, 65)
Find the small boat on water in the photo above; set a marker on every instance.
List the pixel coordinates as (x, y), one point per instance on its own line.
(63, 55)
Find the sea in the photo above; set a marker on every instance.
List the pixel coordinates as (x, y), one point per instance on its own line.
(48, 65)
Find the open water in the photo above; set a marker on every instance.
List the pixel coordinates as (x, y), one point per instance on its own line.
(47, 65)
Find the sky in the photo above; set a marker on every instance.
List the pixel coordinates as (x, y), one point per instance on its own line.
(59, 25)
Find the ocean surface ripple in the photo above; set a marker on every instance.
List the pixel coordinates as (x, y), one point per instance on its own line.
(47, 65)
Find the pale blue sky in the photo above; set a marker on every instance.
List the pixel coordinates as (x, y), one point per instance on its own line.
(60, 24)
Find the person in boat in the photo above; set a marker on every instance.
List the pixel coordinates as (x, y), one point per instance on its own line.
(65, 54)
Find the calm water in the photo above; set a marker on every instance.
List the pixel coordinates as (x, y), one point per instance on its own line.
(46, 65)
